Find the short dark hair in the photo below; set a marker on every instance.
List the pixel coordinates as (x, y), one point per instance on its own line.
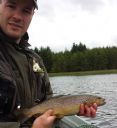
(35, 2)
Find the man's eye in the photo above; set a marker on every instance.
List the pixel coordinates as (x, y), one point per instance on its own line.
(11, 6)
(27, 11)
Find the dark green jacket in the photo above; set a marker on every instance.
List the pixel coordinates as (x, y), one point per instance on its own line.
(16, 73)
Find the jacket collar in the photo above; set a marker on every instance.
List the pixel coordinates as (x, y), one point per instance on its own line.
(23, 43)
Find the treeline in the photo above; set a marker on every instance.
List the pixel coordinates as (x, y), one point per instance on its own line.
(79, 58)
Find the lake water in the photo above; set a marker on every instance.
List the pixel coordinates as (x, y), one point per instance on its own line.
(102, 85)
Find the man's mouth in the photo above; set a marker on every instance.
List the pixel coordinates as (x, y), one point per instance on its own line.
(15, 25)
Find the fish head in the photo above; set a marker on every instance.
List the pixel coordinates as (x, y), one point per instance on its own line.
(95, 99)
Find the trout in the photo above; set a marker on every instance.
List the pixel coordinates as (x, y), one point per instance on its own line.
(62, 106)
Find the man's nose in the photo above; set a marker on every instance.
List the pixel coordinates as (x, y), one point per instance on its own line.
(18, 15)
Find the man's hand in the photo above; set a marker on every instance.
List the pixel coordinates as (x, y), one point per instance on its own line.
(88, 111)
(44, 121)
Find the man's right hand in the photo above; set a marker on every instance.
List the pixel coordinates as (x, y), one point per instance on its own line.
(44, 121)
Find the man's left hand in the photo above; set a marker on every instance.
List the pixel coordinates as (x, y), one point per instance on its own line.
(87, 111)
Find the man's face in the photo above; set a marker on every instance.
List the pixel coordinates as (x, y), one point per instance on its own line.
(15, 17)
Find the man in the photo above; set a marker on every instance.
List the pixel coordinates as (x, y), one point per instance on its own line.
(22, 83)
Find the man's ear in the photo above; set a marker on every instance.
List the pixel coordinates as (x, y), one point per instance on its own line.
(0, 5)
(0, 9)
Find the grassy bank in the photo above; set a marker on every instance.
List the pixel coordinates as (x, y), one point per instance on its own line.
(113, 71)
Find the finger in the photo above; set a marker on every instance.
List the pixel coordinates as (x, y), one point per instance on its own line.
(82, 109)
(93, 112)
(95, 106)
(49, 112)
(87, 111)
(51, 118)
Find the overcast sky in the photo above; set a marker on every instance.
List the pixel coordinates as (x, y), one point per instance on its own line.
(60, 23)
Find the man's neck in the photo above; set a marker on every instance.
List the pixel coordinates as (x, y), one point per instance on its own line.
(18, 41)
(23, 41)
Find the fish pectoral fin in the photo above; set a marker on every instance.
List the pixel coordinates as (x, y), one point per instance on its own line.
(36, 115)
(59, 115)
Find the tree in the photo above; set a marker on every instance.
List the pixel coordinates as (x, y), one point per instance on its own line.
(78, 48)
(47, 56)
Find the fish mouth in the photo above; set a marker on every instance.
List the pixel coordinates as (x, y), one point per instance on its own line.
(103, 102)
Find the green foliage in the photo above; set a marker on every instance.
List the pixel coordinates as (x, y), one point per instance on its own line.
(47, 57)
(79, 58)
(112, 57)
(78, 48)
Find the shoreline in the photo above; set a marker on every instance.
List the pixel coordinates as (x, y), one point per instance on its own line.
(83, 73)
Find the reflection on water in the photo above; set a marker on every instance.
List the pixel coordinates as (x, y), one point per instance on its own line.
(102, 85)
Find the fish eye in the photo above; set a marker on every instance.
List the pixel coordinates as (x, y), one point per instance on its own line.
(99, 98)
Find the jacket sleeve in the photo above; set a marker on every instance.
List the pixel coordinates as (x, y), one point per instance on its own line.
(7, 87)
(7, 96)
